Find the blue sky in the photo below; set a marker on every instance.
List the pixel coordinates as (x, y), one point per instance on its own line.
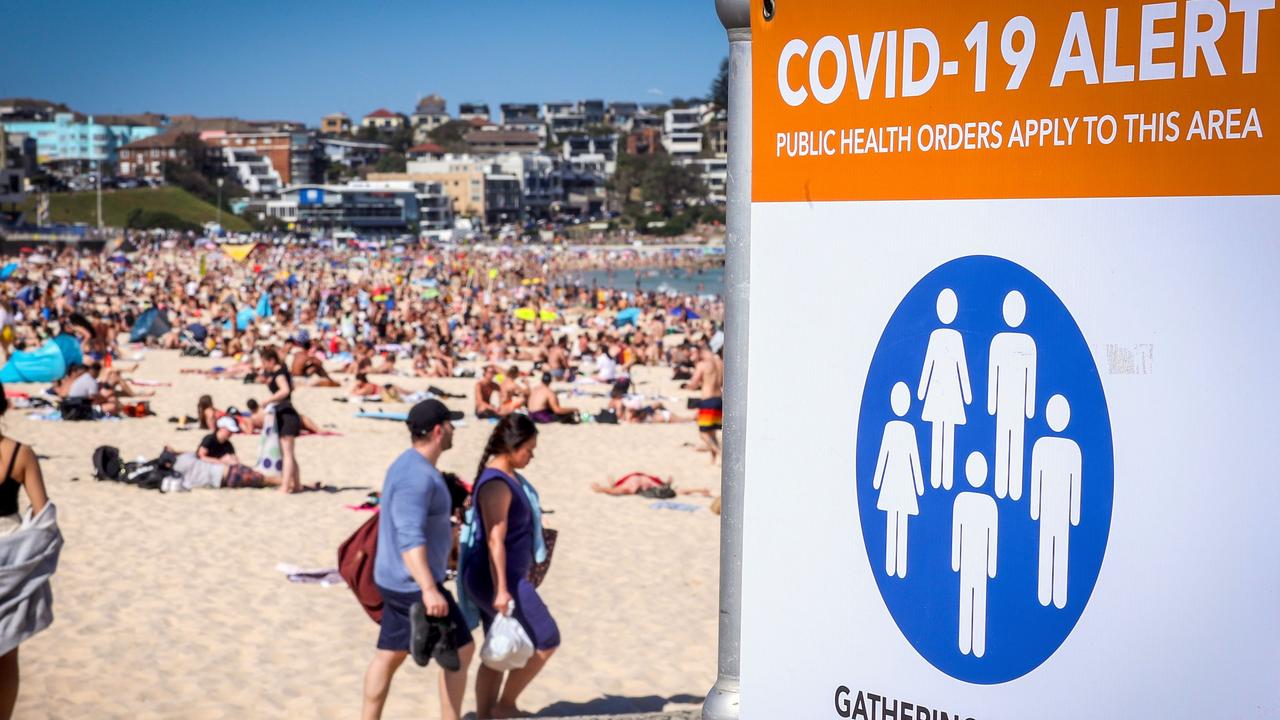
(285, 59)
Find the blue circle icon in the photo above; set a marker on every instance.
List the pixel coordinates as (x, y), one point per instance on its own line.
(984, 469)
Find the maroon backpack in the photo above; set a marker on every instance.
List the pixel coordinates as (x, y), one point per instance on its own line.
(355, 565)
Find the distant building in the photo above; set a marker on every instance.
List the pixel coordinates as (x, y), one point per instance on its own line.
(493, 142)
(383, 119)
(536, 127)
(593, 111)
(477, 187)
(519, 113)
(368, 206)
(604, 146)
(266, 162)
(351, 153)
(682, 133)
(681, 120)
(430, 113)
(471, 111)
(67, 139)
(425, 151)
(563, 118)
(718, 137)
(540, 181)
(335, 124)
(644, 141)
(460, 176)
(146, 158)
(12, 183)
(30, 110)
(714, 173)
(621, 114)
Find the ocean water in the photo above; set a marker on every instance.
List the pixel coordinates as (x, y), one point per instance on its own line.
(709, 281)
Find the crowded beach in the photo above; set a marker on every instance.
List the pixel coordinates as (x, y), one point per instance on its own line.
(288, 374)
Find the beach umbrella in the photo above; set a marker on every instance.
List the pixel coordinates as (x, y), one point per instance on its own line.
(684, 313)
(38, 259)
(264, 306)
(430, 294)
(527, 314)
(548, 315)
(7, 271)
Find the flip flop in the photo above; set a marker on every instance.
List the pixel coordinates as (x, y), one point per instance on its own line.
(419, 634)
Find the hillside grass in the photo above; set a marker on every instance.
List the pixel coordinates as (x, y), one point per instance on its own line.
(81, 207)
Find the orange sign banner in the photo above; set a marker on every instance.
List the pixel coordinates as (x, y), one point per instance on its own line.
(911, 99)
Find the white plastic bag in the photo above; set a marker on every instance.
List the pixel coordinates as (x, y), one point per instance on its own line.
(507, 646)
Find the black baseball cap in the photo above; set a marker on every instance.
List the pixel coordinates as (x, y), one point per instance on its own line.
(427, 414)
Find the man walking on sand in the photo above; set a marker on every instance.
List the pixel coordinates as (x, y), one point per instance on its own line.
(708, 376)
(414, 539)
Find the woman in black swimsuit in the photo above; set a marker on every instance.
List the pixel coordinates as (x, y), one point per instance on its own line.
(288, 423)
(21, 469)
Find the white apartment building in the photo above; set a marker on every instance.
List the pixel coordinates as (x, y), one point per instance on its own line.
(253, 171)
(679, 120)
(714, 173)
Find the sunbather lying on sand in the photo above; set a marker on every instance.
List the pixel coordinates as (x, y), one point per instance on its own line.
(634, 483)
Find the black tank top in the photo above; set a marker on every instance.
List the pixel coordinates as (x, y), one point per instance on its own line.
(9, 488)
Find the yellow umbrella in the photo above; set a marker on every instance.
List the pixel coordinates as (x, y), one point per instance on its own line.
(526, 313)
(549, 315)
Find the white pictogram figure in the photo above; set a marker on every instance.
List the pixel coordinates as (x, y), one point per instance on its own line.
(944, 388)
(1011, 396)
(900, 480)
(1055, 500)
(974, 528)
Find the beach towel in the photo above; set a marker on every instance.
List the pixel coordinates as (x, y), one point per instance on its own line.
(323, 576)
(668, 505)
(28, 559)
(270, 458)
(383, 415)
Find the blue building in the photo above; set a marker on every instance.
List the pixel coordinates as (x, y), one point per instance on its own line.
(66, 139)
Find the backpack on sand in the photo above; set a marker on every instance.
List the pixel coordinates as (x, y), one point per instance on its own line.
(355, 565)
(106, 463)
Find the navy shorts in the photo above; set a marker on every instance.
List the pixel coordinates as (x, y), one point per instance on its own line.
(395, 633)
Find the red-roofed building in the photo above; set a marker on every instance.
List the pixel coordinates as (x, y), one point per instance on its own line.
(383, 119)
(147, 157)
(425, 151)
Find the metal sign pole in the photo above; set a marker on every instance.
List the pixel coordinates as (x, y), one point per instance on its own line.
(722, 701)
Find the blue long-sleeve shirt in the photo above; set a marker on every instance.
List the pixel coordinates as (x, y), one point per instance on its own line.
(415, 511)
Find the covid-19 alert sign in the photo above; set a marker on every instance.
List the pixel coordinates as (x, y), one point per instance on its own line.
(1014, 361)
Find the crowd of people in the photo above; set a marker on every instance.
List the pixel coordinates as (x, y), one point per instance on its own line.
(515, 321)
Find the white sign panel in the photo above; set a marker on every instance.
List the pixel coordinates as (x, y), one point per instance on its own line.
(1011, 447)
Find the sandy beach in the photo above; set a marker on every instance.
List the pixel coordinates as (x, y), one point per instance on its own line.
(171, 606)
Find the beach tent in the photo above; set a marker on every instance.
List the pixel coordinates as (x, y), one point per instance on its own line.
(239, 253)
(47, 363)
(151, 323)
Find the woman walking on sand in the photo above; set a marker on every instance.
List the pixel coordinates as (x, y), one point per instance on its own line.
(29, 549)
(498, 575)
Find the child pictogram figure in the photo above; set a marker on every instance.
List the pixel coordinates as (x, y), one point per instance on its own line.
(974, 530)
